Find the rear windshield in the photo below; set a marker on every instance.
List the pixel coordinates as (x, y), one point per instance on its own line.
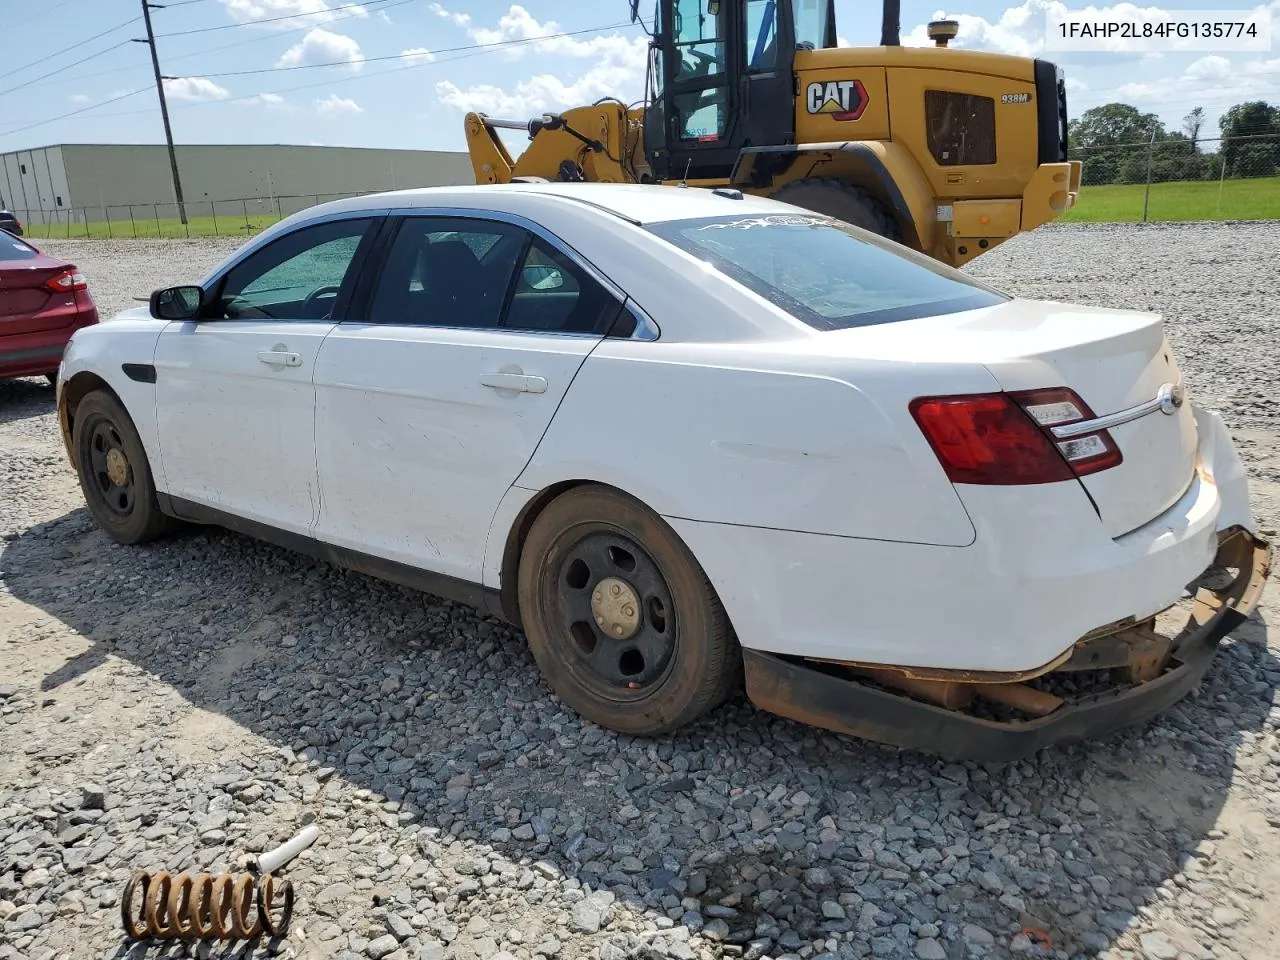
(826, 273)
(11, 248)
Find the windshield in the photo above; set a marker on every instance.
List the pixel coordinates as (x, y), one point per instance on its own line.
(827, 273)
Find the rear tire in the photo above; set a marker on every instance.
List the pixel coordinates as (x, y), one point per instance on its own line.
(674, 656)
(115, 475)
(835, 198)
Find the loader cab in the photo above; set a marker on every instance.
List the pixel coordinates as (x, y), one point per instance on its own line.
(721, 78)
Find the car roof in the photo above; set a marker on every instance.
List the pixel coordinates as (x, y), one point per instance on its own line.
(637, 203)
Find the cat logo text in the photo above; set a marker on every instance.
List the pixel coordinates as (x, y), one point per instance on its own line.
(838, 99)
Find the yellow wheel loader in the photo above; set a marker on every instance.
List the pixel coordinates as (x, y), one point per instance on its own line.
(947, 151)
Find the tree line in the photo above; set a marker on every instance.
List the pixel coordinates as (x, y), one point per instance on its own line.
(1112, 140)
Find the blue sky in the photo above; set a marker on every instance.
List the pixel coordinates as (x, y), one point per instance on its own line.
(401, 81)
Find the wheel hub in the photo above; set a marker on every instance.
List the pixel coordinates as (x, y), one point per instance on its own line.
(616, 607)
(117, 467)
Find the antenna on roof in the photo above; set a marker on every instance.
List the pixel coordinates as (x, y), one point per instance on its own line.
(687, 164)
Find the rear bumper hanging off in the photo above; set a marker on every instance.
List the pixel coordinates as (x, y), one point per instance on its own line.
(1153, 672)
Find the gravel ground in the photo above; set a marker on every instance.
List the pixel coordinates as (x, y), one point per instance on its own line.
(180, 704)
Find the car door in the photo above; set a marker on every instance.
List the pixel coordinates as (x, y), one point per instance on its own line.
(429, 408)
(235, 405)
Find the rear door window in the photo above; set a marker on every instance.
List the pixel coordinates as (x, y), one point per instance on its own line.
(827, 273)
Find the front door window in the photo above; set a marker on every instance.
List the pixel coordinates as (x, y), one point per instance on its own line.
(294, 278)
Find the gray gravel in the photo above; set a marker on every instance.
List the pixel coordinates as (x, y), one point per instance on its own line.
(181, 704)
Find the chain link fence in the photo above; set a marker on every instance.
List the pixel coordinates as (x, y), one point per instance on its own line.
(239, 217)
(1233, 178)
(1236, 178)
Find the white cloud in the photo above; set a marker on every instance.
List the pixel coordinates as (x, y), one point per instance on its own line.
(1260, 67)
(1209, 68)
(194, 90)
(80, 98)
(457, 19)
(323, 46)
(1075, 84)
(334, 105)
(1020, 30)
(417, 54)
(617, 70)
(524, 32)
(384, 16)
(262, 100)
(1217, 75)
(310, 11)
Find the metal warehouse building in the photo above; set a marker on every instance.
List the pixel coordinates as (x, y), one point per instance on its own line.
(75, 182)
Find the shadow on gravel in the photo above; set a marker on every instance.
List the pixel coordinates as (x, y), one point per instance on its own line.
(24, 398)
(781, 831)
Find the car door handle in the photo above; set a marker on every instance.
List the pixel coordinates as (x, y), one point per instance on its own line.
(515, 381)
(280, 358)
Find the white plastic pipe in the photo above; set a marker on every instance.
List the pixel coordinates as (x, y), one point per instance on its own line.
(273, 860)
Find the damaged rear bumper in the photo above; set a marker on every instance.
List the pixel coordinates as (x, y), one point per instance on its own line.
(1153, 674)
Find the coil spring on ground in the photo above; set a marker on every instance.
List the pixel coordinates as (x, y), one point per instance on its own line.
(204, 906)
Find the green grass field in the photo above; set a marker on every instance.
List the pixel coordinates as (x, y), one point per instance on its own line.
(1257, 199)
(142, 228)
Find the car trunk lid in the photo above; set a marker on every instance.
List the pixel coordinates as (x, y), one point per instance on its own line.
(1114, 360)
(25, 295)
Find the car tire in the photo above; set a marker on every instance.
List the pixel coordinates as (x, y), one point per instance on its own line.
(115, 475)
(681, 661)
(835, 198)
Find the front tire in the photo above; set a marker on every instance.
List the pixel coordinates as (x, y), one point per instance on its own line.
(115, 475)
(835, 198)
(621, 619)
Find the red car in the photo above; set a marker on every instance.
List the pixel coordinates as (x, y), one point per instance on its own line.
(43, 301)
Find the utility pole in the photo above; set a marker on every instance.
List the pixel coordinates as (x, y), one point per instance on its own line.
(164, 108)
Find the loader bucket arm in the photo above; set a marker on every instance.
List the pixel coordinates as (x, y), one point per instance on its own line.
(490, 159)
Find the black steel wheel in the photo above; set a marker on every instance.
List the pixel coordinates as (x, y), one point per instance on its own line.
(622, 621)
(115, 476)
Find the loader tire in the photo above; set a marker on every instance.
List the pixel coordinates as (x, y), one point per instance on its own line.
(834, 198)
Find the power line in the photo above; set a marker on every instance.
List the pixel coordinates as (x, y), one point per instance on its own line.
(50, 56)
(467, 52)
(92, 56)
(92, 106)
(501, 44)
(207, 50)
(38, 14)
(251, 23)
(481, 51)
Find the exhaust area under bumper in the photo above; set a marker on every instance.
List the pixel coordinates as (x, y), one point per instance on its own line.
(1146, 674)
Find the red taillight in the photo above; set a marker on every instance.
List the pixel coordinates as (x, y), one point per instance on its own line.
(1005, 438)
(1059, 407)
(69, 279)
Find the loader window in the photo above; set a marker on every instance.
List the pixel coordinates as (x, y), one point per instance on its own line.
(762, 35)
(826, 273)
(961, 128)
(812, 19)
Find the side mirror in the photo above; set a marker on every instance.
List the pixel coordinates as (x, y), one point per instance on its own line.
(177, 303)
(543, 277)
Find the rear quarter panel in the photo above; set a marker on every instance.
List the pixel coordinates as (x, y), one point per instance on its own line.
(767, 436)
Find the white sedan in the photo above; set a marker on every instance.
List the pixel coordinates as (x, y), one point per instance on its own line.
(688, 439)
